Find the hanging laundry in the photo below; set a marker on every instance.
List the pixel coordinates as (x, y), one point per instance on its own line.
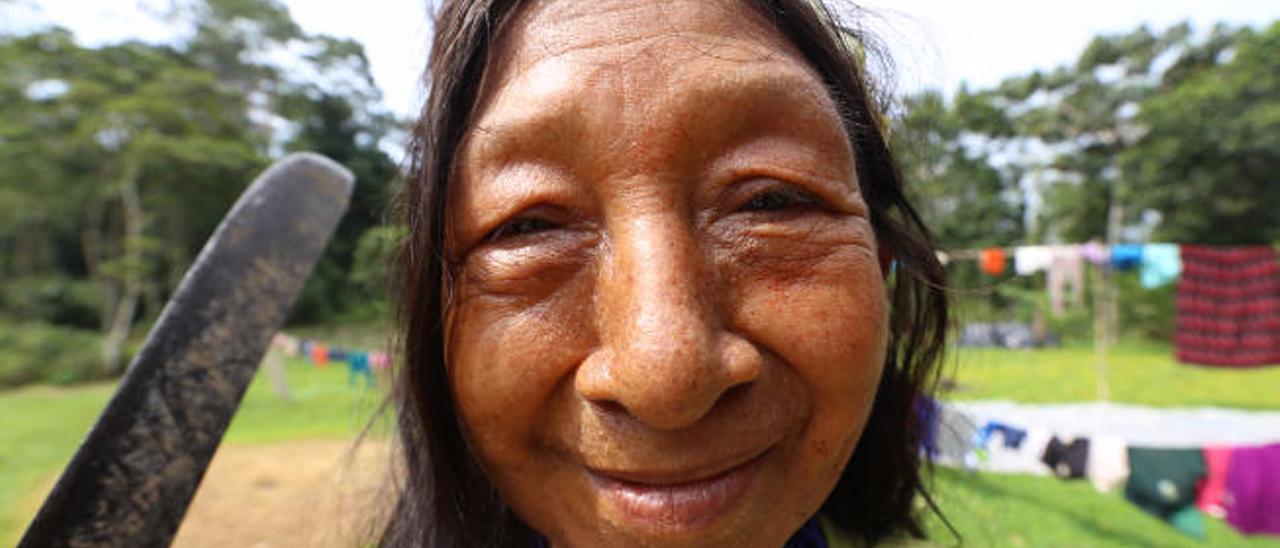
(1161, 265)
(1107, 465)
(1190, 521)
(953, 440)
(943, 258)
(992, 261)
(1217, 462)
(1253, 490)
(1002, 457)
(1010, 437)
(286, 344)
(1096, 253)
(1228, 306)
(926, 410)
(1067, 460)
(358, 366)
(379, 359)
(304, 347)
(1066, 273)
(1163, 481)
(1126, 256)
(319, 355)
(339, 354)
(1027, 260)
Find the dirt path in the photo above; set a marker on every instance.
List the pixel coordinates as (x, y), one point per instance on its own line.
(303, 493)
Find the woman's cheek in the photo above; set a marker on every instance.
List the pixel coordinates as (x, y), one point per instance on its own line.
(825, 315)
(508, 352)
(814, 293)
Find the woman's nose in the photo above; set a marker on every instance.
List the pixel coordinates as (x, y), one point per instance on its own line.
(666, 356)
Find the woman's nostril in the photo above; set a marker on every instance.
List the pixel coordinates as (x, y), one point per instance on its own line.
(610, 407)
(735, 393)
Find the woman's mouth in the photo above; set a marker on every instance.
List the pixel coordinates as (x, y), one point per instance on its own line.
(674, 501)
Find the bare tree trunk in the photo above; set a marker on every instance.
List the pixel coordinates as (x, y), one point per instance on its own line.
(91, 248)
(178, 257)
(125, 308)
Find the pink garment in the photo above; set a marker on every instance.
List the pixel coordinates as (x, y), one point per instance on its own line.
(379, 360)
(1217, 462)
(1096, 253)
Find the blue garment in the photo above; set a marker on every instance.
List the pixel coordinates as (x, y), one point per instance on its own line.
(1161, 264)
(1126, 256)
(927, 414)
(1013, 436)
(358, 364)
(339, 354)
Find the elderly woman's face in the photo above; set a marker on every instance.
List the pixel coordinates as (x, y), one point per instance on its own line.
(668, 321)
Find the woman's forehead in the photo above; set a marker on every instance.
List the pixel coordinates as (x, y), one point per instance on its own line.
(564, 64)
(558, 39)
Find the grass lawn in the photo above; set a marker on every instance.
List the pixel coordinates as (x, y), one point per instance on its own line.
(42, 426)
(1140, 373)
(1010, 510)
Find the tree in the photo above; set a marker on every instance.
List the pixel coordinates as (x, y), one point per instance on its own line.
(1079, 119)
(115, 157)
(1209, 159)
(330, 126)
(966, 201)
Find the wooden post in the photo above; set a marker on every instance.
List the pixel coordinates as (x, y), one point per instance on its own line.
(1102, 301)
(274, 364)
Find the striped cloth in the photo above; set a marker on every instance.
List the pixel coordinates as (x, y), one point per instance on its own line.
(1228, 306)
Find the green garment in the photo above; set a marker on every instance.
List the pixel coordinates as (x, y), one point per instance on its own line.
(1163, 482)
(1190, 521)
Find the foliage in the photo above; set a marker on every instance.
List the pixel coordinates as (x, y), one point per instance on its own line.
(373, 258)
(117, 162)
(35, 352)
(1148, 313)
(964, 200)
(330, 127)
(61, 300)
(1213, 139)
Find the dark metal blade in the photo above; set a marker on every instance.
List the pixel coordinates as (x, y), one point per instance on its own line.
(130, 482)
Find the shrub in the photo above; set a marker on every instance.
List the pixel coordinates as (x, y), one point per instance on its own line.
(42, 353)
(52, 299)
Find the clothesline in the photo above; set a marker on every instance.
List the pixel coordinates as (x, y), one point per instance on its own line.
(360, 363)
(1179, 485)
(1228, 302)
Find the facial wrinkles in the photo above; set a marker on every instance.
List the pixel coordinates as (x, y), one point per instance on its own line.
(637, 130)
(631, 72)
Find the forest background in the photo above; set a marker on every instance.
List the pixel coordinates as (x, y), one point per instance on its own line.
(117, 161)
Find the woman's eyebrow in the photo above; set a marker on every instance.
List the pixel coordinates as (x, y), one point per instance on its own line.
(532, 133)
(714, 113)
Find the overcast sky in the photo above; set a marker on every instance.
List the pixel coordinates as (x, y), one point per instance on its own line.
(935, 43)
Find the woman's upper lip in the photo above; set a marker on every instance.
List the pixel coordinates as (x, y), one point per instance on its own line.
(657, 477)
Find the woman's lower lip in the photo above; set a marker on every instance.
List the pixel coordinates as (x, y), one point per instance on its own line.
(678, 506)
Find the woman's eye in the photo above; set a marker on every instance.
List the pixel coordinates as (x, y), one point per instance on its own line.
(519, 227)
(779, 200)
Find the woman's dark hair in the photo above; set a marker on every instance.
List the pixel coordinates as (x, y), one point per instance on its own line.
(444, 498)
